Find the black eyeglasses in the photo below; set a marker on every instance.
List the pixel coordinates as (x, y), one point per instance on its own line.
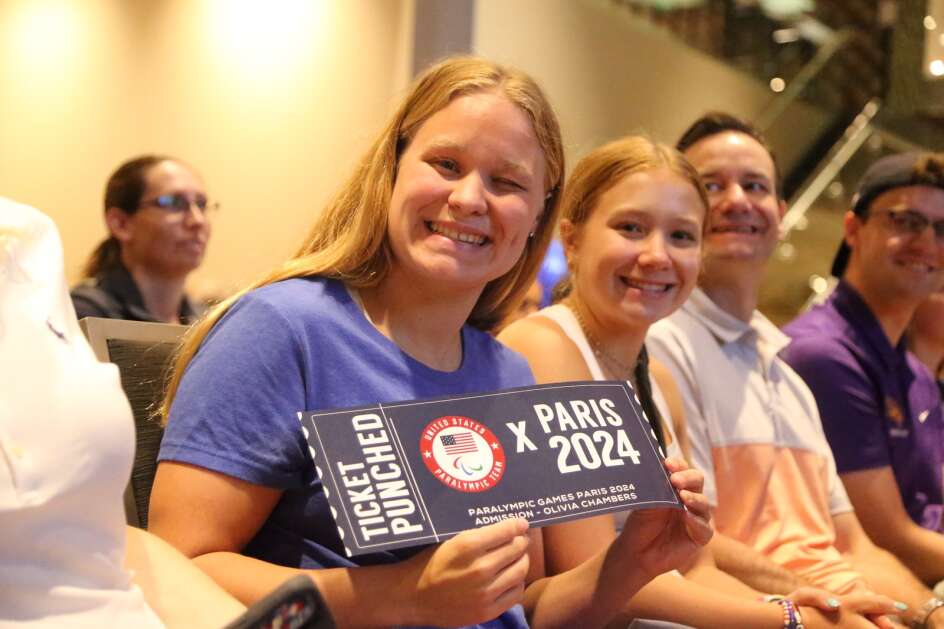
(913, 223)
(179, 203)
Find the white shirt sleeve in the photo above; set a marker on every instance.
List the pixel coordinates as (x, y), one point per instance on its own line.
(666, 344)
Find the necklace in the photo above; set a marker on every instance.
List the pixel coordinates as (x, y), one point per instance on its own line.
(614, 365)
(355, 295)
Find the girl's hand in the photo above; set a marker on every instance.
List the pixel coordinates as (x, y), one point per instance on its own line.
(659, 540)
(471, 578)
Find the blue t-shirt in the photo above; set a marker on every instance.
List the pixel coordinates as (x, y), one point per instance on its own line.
(880, 406)
(299, 345)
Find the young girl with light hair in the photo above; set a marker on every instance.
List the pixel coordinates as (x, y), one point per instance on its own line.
(633, 216)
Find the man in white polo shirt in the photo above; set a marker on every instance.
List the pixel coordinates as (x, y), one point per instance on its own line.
(783, 516)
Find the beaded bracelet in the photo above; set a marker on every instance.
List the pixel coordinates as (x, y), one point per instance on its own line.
(791, 615)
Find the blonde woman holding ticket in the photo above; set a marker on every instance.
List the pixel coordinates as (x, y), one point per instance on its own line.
(434, 239)
(633, 214)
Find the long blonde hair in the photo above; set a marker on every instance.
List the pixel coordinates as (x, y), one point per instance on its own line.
(349, 238)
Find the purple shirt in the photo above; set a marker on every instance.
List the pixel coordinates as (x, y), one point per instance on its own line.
(879, 405)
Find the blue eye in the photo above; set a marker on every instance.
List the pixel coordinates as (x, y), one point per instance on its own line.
(631, 229)
(447, 165)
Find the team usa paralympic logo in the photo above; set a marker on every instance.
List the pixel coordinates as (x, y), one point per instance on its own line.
(462, 453)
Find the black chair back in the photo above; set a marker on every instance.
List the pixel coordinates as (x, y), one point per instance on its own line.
(143, 353)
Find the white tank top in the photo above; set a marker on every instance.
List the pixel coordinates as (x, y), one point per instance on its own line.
(565, 319)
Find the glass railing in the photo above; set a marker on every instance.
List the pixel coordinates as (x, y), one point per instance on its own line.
(828, 68)
(812, 227)
(822, 64)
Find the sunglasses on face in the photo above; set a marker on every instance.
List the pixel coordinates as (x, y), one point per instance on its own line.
(179, 203)
(913, 223)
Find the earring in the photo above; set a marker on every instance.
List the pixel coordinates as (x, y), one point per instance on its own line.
(530, 234)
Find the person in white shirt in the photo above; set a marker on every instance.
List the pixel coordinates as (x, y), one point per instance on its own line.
(67, 559)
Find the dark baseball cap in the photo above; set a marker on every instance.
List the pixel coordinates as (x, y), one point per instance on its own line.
(894, 171)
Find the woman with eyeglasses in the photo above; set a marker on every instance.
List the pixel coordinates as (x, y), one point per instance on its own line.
(432, 241)
(157, 215)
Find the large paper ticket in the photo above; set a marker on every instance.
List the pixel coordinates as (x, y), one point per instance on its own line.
(420, 472)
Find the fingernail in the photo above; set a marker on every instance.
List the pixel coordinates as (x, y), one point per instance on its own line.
(900, 606)
(832, 602)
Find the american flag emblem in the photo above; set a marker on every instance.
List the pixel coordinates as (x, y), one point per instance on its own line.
(459, 443)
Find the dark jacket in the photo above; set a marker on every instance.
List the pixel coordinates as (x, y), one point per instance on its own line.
(114, 295)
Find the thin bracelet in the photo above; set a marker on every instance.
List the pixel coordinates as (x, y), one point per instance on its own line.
(932, 605)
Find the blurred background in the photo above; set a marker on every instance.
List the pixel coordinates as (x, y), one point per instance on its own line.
(274, 101)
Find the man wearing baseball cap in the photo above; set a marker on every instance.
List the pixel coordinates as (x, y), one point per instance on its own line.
(881, 409)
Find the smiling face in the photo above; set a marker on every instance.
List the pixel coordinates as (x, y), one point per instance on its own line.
(739, 176)
(636, 257)
(162, 242)
(469, 189)
(892, 263)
